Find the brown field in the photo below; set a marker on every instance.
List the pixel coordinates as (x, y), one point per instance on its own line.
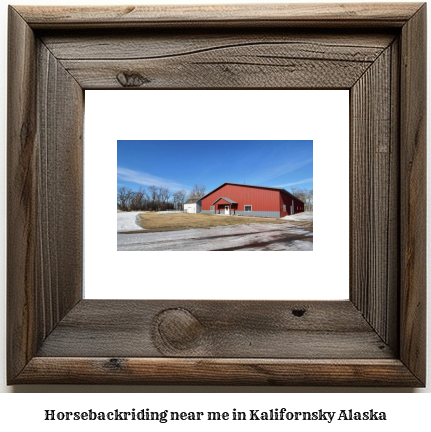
(179, 221)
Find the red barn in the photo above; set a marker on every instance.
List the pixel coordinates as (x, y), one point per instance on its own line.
(248, 200)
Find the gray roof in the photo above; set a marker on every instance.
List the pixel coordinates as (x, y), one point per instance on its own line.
(226, 199)
(255, 186)
(192, 200)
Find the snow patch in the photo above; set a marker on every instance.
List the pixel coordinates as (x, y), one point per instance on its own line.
(126, 221)
(304, 216)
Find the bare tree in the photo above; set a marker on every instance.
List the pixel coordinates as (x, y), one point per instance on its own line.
(164, 195)
(305, 195)
(155, 198)
(139, 200)
(198, 191)
(179, 199)
(153, 195)
(309, 203)
(124, 198)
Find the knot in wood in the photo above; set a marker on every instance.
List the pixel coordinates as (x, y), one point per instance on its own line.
(178, 328)
(115, 363)
(298, 312)
(131, 79)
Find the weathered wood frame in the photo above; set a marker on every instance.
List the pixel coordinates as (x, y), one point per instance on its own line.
(377, 338)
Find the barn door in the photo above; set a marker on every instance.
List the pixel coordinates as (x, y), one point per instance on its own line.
(226, 209)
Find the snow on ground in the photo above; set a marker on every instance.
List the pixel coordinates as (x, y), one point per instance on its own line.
(126, 221)
(295, 245)
(304, 216)
(233, 237)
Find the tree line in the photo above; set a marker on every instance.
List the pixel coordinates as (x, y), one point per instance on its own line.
(305, 195)
(161, 198)
(155, 198)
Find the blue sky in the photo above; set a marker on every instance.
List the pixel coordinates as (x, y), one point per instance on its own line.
(182, 164)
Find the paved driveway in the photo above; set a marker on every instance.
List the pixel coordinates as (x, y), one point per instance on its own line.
(258, 237)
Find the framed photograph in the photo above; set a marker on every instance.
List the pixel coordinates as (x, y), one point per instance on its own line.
(245, 147)
(376, 337)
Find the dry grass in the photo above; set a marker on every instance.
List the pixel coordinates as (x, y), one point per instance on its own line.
(181, 221)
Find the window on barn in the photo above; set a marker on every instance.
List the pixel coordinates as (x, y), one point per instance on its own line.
(211, 207)
(284, 208)
(247, 208)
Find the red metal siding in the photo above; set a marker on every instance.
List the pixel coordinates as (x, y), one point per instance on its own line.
(223, 202)
(259, 199)
(287, 200)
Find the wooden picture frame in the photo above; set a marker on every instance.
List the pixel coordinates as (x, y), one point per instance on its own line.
(376, 338)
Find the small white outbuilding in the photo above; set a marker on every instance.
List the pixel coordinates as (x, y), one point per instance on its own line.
(192, 205)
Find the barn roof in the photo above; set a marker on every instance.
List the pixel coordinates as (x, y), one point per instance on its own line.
(226, 199)
(192, 200)
(254, 186)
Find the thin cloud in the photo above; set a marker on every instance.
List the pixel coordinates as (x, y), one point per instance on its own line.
(145, 179)
(296, 183)
(285, 169)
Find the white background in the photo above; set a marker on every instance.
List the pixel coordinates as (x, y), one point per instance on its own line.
(321, 116)
(22, 410)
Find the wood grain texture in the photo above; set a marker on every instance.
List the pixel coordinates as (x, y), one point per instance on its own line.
(229, 69)
(21, 194)
(374, 195)
(146, 44)
(45, 108)
(308, 15)
(413, 194)
(201, 371)
(391, 295)
(59, 165)
(209, 60)
(241, 329)
(55, 337)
